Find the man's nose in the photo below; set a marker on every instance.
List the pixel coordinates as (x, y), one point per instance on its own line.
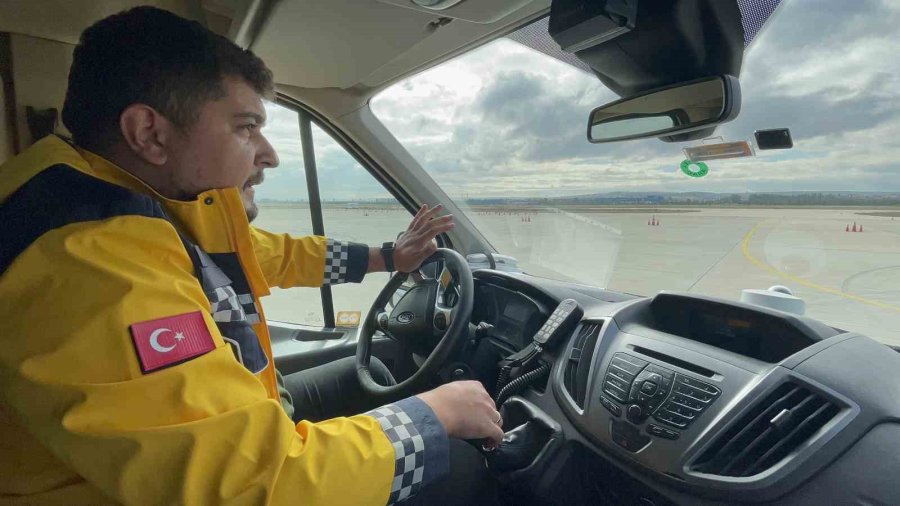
(266, 156)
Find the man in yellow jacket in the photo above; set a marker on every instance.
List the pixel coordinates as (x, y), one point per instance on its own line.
(135, 362)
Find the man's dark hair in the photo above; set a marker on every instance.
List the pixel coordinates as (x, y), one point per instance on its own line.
(150, 56)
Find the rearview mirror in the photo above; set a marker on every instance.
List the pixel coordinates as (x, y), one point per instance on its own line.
(676, 109)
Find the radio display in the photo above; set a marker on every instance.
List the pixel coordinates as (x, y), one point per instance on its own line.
(756, 334)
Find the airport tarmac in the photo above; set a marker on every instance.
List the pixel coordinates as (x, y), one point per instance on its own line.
(849, 280)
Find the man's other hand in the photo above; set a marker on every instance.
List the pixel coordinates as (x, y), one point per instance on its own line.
(466, 411)
(417, 243)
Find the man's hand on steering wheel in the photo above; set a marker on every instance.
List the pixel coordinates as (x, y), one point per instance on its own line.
(417, 243)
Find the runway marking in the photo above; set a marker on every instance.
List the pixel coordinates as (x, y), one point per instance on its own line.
(589, 221)
(745, 249)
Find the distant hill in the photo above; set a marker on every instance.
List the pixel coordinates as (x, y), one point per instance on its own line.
(806, 198)
(705, 198)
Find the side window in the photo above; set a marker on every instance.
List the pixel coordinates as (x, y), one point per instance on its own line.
(355, 207)
(283, 201)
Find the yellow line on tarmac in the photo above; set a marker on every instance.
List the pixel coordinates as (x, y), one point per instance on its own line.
(745, 249)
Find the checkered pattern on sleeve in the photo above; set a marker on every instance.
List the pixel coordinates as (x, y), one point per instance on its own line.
(409, 451)
(337, 262)
(226, 306)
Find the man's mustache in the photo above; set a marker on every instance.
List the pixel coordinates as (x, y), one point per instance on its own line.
(255, 180)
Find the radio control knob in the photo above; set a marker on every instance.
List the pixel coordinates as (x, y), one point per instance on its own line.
(635, 414)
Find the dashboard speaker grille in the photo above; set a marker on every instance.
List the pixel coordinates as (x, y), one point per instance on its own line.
(775, 426)
(578, 366)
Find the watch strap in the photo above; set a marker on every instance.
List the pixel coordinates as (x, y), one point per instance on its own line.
(387, 253)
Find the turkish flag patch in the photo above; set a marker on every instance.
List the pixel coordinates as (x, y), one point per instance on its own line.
(171, 340)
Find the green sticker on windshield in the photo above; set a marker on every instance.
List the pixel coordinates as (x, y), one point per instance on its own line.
(701, 170)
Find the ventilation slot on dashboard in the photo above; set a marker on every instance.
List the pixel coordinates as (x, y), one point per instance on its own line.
(777, 425)
(579, 365)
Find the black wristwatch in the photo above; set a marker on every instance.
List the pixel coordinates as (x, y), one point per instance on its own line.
(387, 253)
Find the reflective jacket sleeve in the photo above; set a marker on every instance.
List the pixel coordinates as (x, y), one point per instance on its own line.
(310, 261)
(199, 432)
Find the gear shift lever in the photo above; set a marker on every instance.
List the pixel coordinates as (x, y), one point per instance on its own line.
(517, 450)
(534, 437)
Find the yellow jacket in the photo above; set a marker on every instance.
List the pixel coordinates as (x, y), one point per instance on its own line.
(91, 260)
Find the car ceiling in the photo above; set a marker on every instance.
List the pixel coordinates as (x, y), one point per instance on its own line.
(360, 44)
(354, 43)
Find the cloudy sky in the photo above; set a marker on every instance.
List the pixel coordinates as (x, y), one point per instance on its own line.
(505, 120)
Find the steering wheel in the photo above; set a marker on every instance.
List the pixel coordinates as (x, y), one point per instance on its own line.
(420, 321)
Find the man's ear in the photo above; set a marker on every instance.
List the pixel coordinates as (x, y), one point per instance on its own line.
(145, 132)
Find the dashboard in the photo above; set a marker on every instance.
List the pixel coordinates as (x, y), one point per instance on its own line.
(685, 399)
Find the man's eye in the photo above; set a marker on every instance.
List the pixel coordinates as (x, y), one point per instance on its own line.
(250, 127)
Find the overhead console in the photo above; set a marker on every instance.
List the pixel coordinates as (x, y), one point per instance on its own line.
(637, 46)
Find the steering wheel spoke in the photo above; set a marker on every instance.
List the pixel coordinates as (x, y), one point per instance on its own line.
(380, 323)
(443, 317)
(381, 320)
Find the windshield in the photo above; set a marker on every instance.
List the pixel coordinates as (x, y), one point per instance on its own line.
(502, 130)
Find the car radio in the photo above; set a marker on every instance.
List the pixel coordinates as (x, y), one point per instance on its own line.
(671, 398)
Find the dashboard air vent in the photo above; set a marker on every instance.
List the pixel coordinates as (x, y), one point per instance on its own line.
(579, 364)
(776, 426)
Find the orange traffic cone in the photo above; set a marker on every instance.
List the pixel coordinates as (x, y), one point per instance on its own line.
(847, 228)
(860, 227)
(854, 227)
